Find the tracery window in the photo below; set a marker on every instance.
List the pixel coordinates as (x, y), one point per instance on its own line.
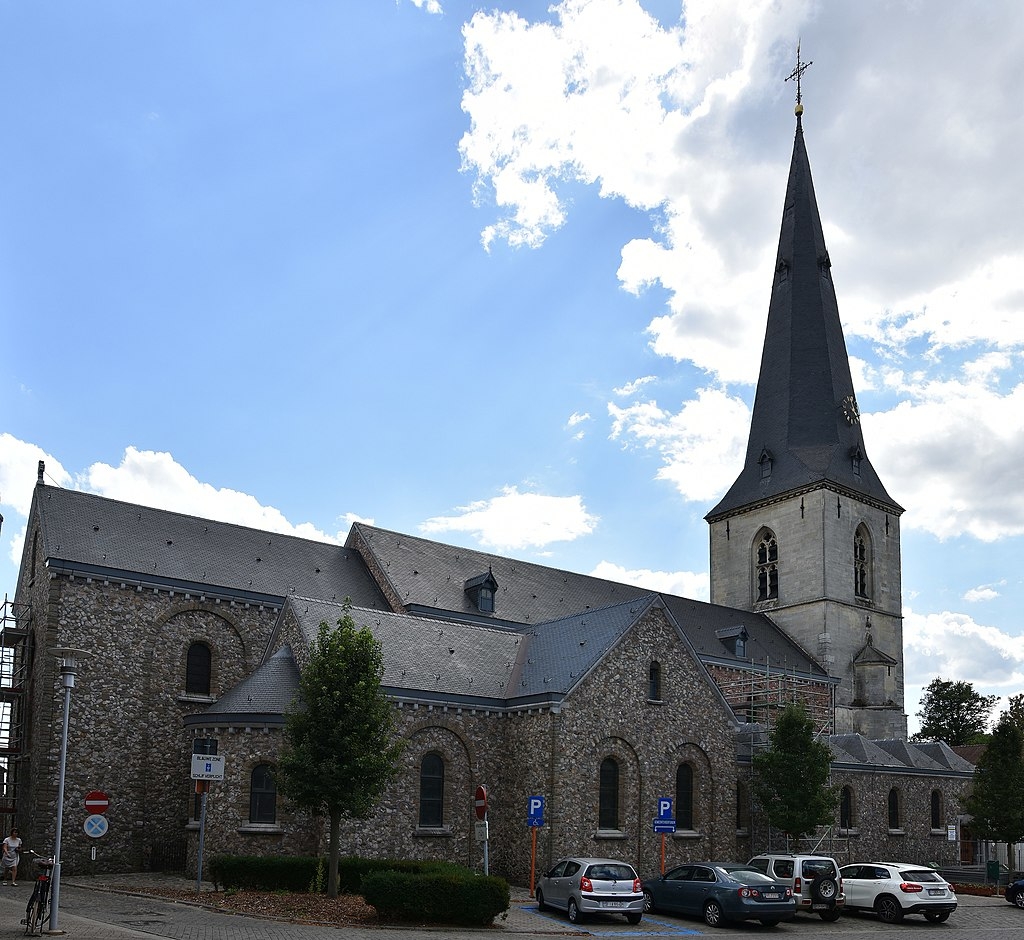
(767, 566)
(684, 797)
(262, 795)
(608, 797)
(861, 563)
(198, 662)
(432, 791)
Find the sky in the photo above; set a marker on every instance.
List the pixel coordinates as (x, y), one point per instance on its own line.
(498, 274)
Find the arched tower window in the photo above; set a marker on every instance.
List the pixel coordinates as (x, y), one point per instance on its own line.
(262, 795)
(198, 662)
(862, 563)
(936, 808)
(608, 797)
(654, 682)
(766, 566)
(684, 797)
(432, 791)
(895, 818)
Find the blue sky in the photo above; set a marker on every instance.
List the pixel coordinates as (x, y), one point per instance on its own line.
(498, 274)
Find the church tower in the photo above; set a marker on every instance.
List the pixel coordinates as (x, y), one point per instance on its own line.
(808, 534)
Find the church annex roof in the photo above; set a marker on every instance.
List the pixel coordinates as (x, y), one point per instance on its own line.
(261, 698)
(805, 429)
(90, 535)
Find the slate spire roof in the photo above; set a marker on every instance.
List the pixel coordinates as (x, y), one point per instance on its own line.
(805, 429)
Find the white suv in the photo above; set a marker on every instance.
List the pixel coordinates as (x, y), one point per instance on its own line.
(816, 881)
(893, 889)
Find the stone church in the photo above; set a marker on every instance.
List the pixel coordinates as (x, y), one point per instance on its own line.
(599, 697)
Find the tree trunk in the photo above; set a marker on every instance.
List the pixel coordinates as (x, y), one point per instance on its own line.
(332, 865)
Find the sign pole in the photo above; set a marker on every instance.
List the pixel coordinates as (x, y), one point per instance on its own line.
(663, 853)
(533, 858)
(201, 787)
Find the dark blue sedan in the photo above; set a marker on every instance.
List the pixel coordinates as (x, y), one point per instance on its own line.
(1015, 892)
(720, 892)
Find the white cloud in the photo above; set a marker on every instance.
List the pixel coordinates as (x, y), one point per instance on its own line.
(156, 479)
(683, 583)
(517, 520)
(701, 446)
(431, 6)
(984, 592)
(19, 463)
(577, 418)
(631, 388)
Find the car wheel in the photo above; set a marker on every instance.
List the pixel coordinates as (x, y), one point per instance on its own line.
(540, 900)
(936, 917)
(769, 922)
(824, 889)
(1018, 899)
(713, 914)
(574, 911)
(648, 901)
(888, 908)
(830, 916)
(634, 918)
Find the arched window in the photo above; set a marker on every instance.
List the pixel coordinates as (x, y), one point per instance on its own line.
(684, 797)
(654, 682)
(936, 807)
(608, 796)
(862, 563)
(197, 669)
(846, 808)
(262, 795)
(767, 566)
(432, 791)
(894, 809)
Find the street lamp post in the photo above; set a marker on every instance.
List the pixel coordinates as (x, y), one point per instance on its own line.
(68, 659)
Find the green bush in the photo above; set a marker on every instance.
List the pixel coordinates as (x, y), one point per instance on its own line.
(450, 896)
(259, 873)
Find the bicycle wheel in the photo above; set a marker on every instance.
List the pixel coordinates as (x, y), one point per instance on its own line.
(32, 914)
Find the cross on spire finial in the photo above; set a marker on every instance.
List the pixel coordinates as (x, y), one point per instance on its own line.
(797, 73)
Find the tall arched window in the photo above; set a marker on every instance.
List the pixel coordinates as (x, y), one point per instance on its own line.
(742, 806)
(766, 566)
(432, 791)
(262, 795)
(846, 808)
(684, 797)
(894, 809)
(608, 796)
(936, 808)
(862, 563)
(654, 682)
(197, 669)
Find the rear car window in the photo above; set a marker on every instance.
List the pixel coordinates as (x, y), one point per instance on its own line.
(920, 874)
(611, 873)
(815, 868)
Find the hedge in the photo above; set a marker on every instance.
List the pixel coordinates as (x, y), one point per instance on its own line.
(440, 897)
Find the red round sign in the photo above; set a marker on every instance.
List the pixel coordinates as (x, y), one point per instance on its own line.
(97, 802)
(480, 802)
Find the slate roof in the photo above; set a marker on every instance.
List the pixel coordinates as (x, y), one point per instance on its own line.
(261, 698)
(430, 577)
(85, 534)
(805, 376)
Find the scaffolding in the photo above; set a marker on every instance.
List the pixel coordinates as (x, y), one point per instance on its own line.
(14, 661)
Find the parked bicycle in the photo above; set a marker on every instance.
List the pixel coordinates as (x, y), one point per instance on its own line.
(37, 912)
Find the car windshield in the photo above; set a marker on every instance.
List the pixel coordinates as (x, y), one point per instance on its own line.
(607, 872)
(746, 875)
(920, 874)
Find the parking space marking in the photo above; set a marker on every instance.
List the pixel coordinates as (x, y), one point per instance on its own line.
(663, 928)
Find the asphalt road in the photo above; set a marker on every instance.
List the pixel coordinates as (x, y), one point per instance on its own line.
(95, 913)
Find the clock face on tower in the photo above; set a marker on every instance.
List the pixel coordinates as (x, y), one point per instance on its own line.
(850, 410)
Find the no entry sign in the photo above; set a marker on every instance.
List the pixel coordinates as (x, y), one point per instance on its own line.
(480, 802)
(97, 802)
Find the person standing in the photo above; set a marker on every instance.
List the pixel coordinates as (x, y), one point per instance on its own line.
(11, 856)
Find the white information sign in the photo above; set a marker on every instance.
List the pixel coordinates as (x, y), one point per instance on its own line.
(207, 767)
(481, 831)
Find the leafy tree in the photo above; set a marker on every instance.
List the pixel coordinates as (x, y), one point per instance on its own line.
(791, 776)
(1015, 709)
(954, 712)
(995, 802)
(340, 747)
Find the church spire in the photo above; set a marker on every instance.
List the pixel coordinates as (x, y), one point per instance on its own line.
(805, 429)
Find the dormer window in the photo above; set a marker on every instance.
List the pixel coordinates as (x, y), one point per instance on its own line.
(765, 460)
(481, 591)
(856, 456)
(734, 639)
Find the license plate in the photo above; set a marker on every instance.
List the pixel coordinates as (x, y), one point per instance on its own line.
(936, 891)
(771, 896)
(613, 904)
(819, 907)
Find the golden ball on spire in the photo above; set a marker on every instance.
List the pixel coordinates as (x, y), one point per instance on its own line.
(798, 110)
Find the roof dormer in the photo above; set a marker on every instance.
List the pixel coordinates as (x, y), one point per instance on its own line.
(481, 591)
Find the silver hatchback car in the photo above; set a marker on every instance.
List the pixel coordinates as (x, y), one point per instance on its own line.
(581, 886)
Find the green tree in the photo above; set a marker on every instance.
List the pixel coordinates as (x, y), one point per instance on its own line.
(995, 801)
(954, 712)
(1015, 709)
(791, 777)
(340, 746)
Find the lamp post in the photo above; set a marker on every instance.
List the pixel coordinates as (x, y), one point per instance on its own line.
(68, 658)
